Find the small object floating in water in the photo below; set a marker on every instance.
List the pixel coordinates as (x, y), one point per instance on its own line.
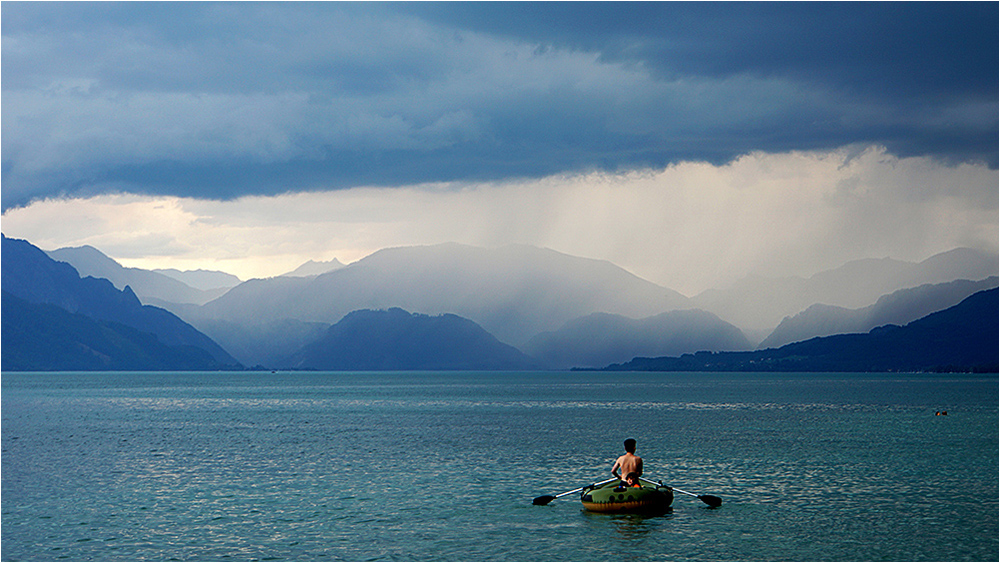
(941, 413)
(615, 498)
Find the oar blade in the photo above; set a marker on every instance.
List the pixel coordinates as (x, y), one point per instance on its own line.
(711, 500)
(543, 500)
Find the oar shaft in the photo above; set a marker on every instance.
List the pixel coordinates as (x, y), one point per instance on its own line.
(582, 488)
(685, 492)
(651, 482)
(661, 483)
(707, 499)
(545, 499)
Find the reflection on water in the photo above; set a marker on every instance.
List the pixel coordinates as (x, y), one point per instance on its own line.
(628, 526)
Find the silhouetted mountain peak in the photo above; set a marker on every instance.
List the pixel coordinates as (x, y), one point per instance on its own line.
(148, 285)
(395, 339)
(315, 268)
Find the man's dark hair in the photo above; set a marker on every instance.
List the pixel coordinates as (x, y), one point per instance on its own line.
(630, 446)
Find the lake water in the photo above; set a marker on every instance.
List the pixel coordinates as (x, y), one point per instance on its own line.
(443, 466)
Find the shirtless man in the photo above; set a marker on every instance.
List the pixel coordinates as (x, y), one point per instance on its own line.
(628, 463)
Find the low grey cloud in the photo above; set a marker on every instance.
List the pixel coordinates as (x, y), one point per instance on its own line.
(222, 100)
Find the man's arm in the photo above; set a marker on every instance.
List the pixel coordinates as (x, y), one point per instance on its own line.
(614, 468)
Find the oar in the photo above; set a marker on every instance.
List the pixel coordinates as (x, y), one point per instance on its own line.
(545, 499)
(710, 500)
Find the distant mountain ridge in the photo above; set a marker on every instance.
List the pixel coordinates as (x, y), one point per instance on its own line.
(961, 338)
(205, 280)
(149, 286)
(395, 339)
(899, 308)
(758, 303)
(30, 275)
(513, 292)
(600, 339)
(314, 268)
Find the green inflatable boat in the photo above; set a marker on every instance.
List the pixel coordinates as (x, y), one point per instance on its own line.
(613, 497)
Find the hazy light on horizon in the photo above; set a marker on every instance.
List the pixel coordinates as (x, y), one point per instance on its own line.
(689, 227)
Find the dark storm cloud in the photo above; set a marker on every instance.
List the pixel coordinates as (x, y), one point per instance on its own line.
(895, 48)
(894, 57)
(219, 100)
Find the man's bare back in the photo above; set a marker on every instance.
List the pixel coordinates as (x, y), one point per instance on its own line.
(628, 463)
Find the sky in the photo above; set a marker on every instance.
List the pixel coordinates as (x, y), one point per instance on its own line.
(689, 143)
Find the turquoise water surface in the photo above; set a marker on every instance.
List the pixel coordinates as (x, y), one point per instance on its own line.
(443, 466)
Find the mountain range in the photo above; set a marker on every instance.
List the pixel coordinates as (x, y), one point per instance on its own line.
(517, 293)
(960, 338)
(757, 304)
(513, 292)
(153, 287)
(899, 307)
(559, 311)
(38, 290)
